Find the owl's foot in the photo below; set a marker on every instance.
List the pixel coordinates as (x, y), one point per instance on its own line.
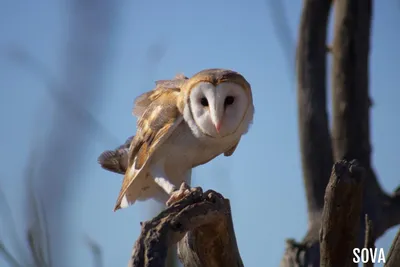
(179, 194)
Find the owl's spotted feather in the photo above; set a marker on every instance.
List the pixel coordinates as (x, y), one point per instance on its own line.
(156, 124)
(143, 101)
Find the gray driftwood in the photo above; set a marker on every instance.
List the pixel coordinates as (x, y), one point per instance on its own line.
(201, 223)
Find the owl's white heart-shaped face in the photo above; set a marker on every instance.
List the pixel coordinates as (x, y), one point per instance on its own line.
(219, 110)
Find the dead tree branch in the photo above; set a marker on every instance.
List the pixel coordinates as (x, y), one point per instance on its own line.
(314, 133)
(369, 238)
(340, 217)
(351, 107)
(205, 219)
(393, 257)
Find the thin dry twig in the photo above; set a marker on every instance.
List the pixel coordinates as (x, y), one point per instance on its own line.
(283, 33)
(60, 94)
(369, 239)
(8, 257)
(96, 252)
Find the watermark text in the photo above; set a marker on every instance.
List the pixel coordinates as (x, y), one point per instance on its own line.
(364, 255)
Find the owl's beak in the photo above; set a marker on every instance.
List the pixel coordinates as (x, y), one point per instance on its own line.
(218, 126)
(217, 114)
(217, 123)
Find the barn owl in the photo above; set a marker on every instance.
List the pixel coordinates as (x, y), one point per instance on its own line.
(182, 123)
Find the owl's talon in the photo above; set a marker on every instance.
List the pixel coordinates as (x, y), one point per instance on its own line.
(178, 195)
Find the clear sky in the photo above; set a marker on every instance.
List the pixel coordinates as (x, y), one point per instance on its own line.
(263, 177)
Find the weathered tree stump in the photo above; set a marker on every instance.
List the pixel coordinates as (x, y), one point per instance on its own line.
(341, 215)
(339, 228)
(201, 223)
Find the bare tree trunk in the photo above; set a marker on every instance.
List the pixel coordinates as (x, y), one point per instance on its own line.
(350, 96)
(316, 151)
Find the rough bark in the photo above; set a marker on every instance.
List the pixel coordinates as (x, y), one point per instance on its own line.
(350, 130)
(201, 223)
(350, 96)
(312, 115)
(340, 216)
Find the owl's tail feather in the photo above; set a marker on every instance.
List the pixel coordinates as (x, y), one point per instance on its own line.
(114, 161)
(109, 161)
(125, 202)
(133, 184)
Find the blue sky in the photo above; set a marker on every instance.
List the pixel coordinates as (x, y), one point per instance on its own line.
(197, 35)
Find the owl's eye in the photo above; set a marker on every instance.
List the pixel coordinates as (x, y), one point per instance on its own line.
(204, 101)
(229, 100)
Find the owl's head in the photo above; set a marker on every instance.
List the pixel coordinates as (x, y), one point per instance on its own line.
(218, 103)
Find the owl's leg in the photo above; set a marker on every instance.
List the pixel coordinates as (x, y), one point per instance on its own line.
(183, 191)
(161, 179)
(179, 194)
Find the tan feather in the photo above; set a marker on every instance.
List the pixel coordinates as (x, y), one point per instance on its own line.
(144, 100)
(230, 151)
(155, 125)
(215, 77)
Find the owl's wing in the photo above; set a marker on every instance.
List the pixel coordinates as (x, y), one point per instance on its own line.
(155, 125)
(231, 150)
(143, 101)
(116, 160)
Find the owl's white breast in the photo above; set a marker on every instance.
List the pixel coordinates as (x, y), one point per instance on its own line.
(183, 151)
